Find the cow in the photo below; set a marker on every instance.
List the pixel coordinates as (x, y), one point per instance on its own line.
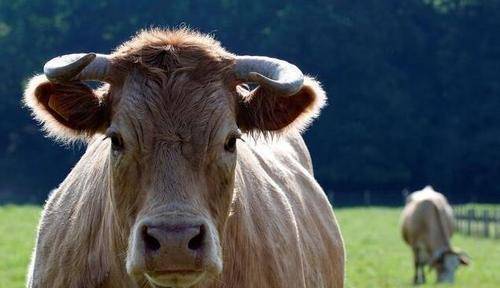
(427, 226)
(189, 178)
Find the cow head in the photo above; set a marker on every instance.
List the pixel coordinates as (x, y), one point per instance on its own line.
(446, 263)
(172, 110)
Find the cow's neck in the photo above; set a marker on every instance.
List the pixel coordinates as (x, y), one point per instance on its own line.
(114, 234)
(96, 222)
(248, 237)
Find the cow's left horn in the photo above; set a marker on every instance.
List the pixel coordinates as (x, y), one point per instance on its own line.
(271, 73)
(83, 66)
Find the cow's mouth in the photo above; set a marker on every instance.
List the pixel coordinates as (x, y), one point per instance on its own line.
(175, 278)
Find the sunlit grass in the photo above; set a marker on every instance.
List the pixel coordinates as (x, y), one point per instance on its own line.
(376, 254)
(378, 257)
(17, 237)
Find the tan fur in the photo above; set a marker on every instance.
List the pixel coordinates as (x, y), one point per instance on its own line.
(174, 102)
(69, 111)
(427, 226)
(255, 114)
(421, 207)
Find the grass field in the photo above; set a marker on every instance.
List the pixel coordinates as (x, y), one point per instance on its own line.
(17, 237)
(376, 255)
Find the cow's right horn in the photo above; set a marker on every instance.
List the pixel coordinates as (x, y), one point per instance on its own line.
(83, 66)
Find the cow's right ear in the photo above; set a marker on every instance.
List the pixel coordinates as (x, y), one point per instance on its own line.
(68, 111)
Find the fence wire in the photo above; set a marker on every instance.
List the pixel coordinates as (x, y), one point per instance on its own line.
(479, 222)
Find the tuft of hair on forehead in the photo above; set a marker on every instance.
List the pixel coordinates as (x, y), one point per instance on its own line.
(157, 37)
(167, 50)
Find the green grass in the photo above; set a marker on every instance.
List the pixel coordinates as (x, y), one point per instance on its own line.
(376, 255)
(17, 237)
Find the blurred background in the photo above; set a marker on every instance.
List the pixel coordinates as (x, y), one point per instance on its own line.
(413, 85)
(414, 100)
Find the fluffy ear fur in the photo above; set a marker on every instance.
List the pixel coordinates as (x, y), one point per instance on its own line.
(68, 111)
(260, 110)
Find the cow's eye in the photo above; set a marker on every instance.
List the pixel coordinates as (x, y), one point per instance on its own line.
(230, 145)
(116, 141)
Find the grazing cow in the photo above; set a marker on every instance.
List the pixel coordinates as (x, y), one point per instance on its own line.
(166, 194)
(427, 226)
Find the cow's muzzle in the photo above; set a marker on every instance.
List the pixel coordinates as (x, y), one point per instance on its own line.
(172, 253)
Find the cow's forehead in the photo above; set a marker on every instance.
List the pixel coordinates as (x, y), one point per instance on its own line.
(174, 108)
(175, 84)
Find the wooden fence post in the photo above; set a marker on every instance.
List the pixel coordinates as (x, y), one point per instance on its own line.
(477, 222)
(486, 224)
(456, 213)
(460, 219)
(497, 224)
(470, 215)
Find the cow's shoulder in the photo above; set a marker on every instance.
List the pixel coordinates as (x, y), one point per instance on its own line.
(281, 206)
(273, 151)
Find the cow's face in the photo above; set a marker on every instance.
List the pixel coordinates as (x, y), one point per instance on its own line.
(173, 117)
(173, 156)
(447, 264)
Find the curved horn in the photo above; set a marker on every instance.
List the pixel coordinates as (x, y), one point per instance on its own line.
(83, 66)
(274, 74)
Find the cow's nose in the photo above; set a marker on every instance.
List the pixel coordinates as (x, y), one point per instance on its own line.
(173, 240)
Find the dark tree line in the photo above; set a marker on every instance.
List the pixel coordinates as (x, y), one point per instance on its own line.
(414, 88)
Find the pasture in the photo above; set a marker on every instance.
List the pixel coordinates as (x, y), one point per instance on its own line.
(376, 255)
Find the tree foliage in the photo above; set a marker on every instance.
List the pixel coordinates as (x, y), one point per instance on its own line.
(413, 85)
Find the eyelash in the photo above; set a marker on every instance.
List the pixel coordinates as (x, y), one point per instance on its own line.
(116, 141)
(230, 145)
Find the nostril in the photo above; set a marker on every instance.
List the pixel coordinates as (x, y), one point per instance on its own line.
(151, 243)
(197, 241)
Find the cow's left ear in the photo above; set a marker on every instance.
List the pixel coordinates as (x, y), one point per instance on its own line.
(264, 110)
